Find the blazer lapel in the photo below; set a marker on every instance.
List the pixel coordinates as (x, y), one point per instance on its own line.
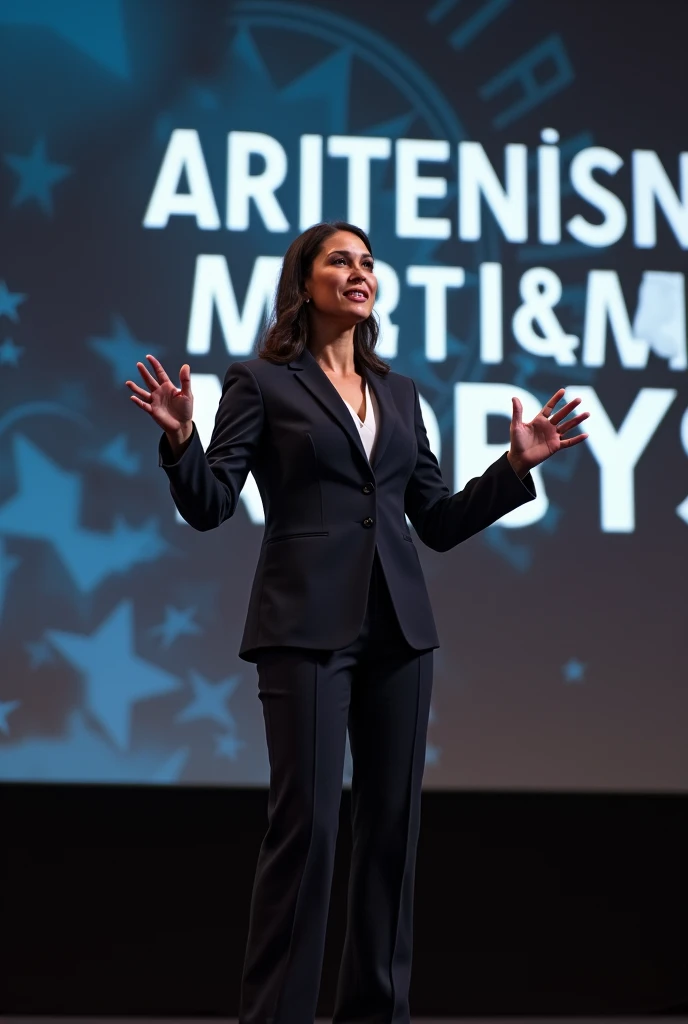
(388, 414)
(314, 378)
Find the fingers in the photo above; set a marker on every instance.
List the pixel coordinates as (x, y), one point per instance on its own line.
(565, 410)
(564, 428)
(185, 379)
(148, 376)
(143, 405)
(159, 368)
(547, 409)
(570, 441)
(139, 391)
(517, 411)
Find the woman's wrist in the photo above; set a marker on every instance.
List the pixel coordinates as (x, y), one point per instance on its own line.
(517, 466)
(179, 439)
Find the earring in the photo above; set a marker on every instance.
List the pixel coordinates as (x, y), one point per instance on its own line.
(308, 300)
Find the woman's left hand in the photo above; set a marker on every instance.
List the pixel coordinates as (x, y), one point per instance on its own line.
(532, 443)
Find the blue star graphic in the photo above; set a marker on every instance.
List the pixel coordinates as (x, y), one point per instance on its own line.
(6, 708)
(171, 769)
(9, 302)
(573, 671)
(210, 700)
(204, 595)
(117, 455)
(9, 353)
(89, 556)
(228, 746)
(123, 351)
(95, 29)
(177, 623)
(37, 176)
(8, 563)
(83, 754)
(39, 652)
(115, 677)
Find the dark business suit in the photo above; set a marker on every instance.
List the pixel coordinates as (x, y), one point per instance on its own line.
(340, 626)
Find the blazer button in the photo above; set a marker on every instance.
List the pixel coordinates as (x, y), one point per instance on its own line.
(368, 521)
(368, 488)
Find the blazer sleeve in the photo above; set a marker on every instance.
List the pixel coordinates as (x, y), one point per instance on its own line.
(442, 520)
(205, 485)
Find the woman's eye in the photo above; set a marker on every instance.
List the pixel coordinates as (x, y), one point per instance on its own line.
(340, 259)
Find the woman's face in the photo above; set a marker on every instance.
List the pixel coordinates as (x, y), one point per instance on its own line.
(342, 282)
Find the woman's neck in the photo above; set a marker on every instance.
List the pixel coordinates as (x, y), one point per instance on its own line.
(333, 348)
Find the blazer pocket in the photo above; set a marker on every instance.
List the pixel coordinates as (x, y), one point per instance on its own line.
(296, 536)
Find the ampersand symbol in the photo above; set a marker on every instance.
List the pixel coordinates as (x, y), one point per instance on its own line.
(541, 291)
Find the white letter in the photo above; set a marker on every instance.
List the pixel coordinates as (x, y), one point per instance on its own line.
(682, 509)
(411, 187)
(385, 303)
(614, 224)
(310, 184)
(473, 403)
(617, 453)
(660, 316)
(490, 283)
(207, 389)
(549, 188)
(650, 183)
(541, 291)
(605, 301)
(183, 153)
(213, 290)
(436, 280)
(477, 178)
(359, 151)
(243, 186)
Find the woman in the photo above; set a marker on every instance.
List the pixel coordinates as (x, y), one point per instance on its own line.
(339, 622)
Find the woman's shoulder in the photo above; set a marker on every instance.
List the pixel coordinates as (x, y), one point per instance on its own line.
(400, 382)
(260, 369)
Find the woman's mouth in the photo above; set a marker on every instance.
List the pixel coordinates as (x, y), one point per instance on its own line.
(356, 295)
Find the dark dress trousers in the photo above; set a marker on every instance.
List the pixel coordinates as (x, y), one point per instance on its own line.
(341, 629)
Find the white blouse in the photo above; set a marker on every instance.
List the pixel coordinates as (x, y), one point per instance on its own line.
(367, 427)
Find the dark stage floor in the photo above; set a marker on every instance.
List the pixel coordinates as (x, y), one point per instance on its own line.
(323, 1020)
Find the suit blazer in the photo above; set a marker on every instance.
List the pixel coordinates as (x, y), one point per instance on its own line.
(327, 508)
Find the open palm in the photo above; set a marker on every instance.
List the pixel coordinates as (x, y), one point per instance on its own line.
(532, 443)
(171, 407)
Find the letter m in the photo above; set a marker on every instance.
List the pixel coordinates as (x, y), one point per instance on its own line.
(213, 291)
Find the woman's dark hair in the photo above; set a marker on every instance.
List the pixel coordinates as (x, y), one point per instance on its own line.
(286, 335)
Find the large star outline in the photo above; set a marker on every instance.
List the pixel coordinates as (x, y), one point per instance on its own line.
(9, 302)
(115, 677)
(89, 556)
(37, 177)
(122, 350)
(210, 700)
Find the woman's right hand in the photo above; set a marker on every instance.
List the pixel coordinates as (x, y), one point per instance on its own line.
(171, 407)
